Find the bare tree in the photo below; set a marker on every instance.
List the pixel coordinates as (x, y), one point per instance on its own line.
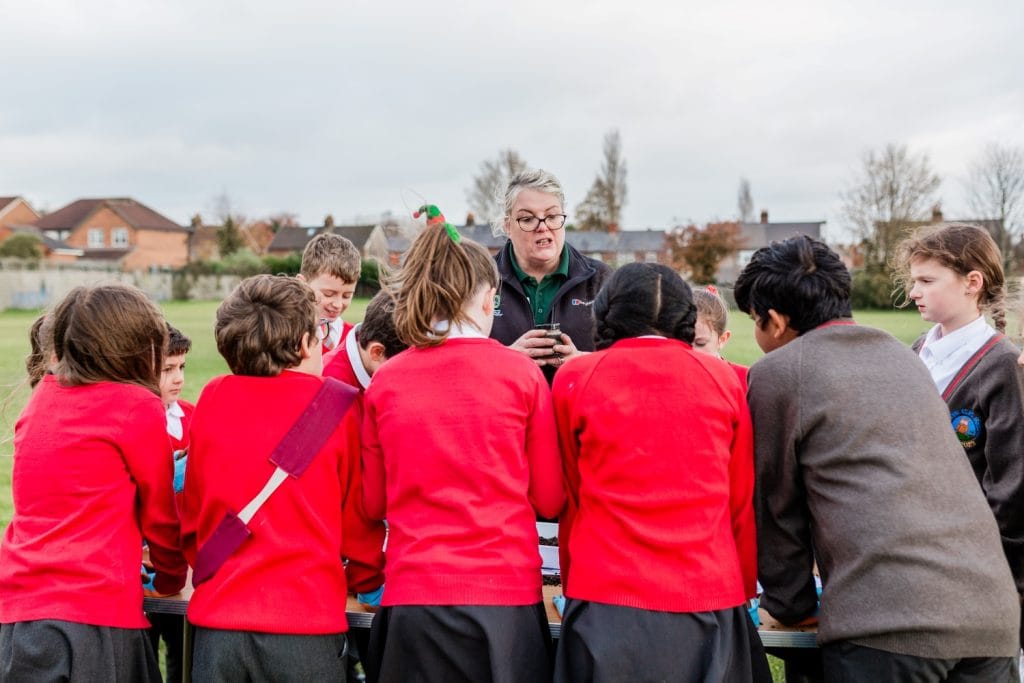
(602, 205)
(486, 195)
(995, 189)
(745, 201)
(892, 189)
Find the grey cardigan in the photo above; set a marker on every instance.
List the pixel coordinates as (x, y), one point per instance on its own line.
(858, 470)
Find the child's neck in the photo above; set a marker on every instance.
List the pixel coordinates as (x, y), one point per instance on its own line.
(955, 323)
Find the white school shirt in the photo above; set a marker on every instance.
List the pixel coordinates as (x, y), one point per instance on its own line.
(174, 415)
(352, 350)
(944, 356)
(333, 332)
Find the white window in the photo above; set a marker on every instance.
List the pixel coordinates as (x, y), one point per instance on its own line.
(623, 258)
(95, 238)
(651, 257)
(119, 237)
(743, 258)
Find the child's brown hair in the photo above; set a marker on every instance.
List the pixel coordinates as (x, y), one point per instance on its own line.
(38, 360)
(177, 343)
(439, 276)
(711, 307)
(961, 248)
(379, 325)
(108, 333)
(331, 254)
(260, 326)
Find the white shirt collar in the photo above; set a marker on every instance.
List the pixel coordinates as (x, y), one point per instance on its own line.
(333, 331)
(354, 359)
(945, 355)
(458, 331)
(174, 415)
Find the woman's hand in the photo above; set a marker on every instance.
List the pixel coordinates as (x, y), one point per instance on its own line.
(534, 344)
(564, 352)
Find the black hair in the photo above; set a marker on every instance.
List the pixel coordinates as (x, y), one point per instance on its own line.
(800, 278)
(177, 343)
(644, 298)
(379, 325)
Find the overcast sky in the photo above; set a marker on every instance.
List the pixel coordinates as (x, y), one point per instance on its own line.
(353, 108)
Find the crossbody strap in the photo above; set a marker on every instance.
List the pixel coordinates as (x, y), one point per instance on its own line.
(969, 365)
(292, 456)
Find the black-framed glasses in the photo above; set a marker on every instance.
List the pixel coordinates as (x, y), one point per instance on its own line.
(530, 223)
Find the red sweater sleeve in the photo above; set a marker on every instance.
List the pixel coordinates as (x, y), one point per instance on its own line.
(374, 489)
(563, 393)
(546, 492)
(741, 496)
(362, 537)
(153, 473)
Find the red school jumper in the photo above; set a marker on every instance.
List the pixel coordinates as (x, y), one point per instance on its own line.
(92, 476)
(659, 463)
(287, 577)
(459, 451)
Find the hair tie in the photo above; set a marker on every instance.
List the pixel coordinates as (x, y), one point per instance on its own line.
(435, 217)
(711, 289)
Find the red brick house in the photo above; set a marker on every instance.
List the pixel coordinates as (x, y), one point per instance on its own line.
(121, 230)
(14, 212)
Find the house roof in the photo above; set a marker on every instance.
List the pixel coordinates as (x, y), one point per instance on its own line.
(4, 201)
(757, 235)
(296, 239)
(482, 234)
(622, 241)
(135, 214)
(48, 242)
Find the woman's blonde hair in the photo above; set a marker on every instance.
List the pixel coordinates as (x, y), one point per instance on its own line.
(438, 278)
(108, 333)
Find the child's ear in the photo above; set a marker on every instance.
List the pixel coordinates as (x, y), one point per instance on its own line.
(778, 326)
(724, 338)
(376, 352)
(975, 282)
(305, 348)
(300, 276)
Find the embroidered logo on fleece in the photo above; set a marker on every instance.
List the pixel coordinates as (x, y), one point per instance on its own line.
(967, 426)
(581, 302)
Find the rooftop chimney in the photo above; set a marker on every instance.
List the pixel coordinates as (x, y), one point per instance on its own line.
(937, 213)
(328, 221)
(764, 215)
(613, 228)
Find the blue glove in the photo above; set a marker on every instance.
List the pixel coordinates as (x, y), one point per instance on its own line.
(179, 473)
(559, 602)
(147, 579)
(752, 606)
(371, 599)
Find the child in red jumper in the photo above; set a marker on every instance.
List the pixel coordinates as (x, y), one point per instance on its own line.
(658, 535)
(170, 627)
(331, 266)
(460, 454)
(92, 477)
(275, 608)
(710, 334)
(371, 343)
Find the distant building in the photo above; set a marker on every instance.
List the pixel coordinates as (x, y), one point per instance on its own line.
(761, 234)
(14, 212)
(121, 230)
(370, 240)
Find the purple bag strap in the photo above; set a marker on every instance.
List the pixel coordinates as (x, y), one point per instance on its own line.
(292, 456)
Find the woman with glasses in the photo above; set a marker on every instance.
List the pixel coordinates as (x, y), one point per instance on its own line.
(545, 281)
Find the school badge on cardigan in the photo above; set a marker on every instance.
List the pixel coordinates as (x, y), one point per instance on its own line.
(966, 426)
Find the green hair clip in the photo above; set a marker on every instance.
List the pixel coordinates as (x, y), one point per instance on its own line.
(435, 217)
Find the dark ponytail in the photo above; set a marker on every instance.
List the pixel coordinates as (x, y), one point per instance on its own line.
(644, 298)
